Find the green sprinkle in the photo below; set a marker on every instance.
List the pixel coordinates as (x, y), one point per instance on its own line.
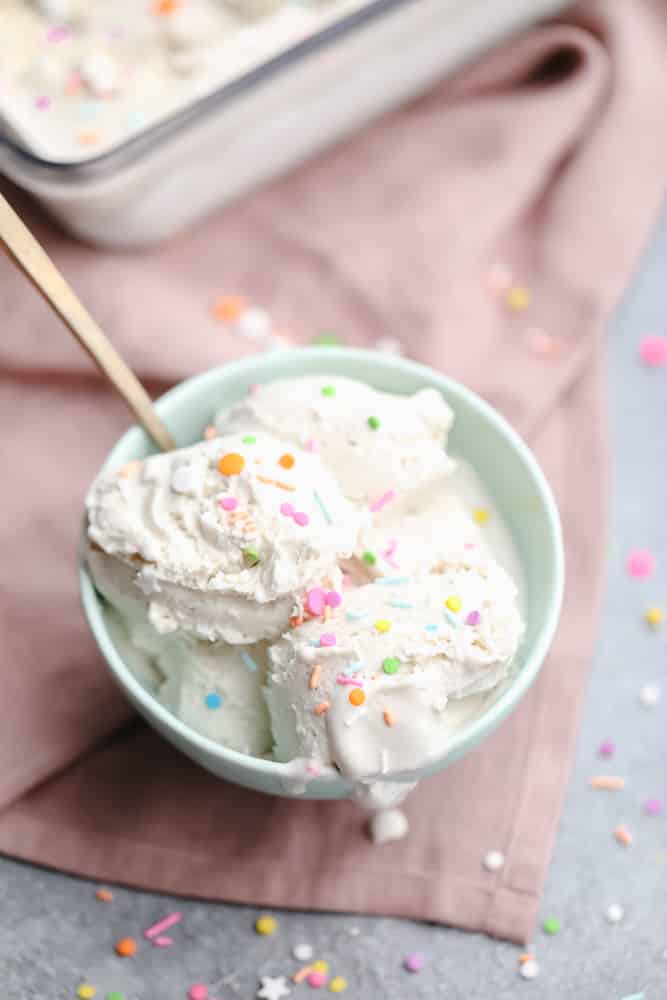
(551, 926)
(114, 996)
(249, 439)
(326, 339)
(251, 556)
(329, 390)
(373, 423)
(391, 664)
(320, 503)
(369, 558)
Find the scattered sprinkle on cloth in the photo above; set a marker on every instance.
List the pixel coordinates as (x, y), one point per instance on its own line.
(486, 229)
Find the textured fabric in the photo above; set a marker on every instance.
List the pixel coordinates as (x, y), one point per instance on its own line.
(549, 157)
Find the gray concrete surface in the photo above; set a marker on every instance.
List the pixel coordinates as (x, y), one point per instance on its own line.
(54, 935)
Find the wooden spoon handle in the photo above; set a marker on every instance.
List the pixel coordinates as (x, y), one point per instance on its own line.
(31, 258)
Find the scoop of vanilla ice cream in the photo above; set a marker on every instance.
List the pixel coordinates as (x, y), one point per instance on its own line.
(377, 444)
(223, 539)
(369, 690)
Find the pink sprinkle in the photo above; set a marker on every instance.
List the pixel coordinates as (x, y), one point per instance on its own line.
(311, 445)
(342, 679)
(382, 501)
(57, 34)
(163, 942)
(313, 769)
(317, 979)
(653, 351)
(346, 581)
(162, 925)
(42, 103)
(653, 807)
(253, 388)
(198, 992)
(473, 618)
(287, 509)
(414, 962)
(229, 503)
(607, 748)
(316, 601)
(327, 639)
(333, 599)
(468, 546)
(301, 518)
(388, 554)
(640, 564)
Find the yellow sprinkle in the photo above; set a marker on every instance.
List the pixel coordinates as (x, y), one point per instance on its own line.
(86, 991)
(266, 925)
(654, 616)
(517, 298)
(320, 965)
(382, 625)
(453, 603)
(338, 984)
(481, 515)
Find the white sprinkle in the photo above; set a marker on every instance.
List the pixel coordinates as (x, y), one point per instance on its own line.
(529, 969)
(354, 931)
(493, 861)
(182, 480)
(254, 323)
(650, 695)
(614, 913)
(302, 952)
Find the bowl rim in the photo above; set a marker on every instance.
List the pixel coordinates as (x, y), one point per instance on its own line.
(454, 391)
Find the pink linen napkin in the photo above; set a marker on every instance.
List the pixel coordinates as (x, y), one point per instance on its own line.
(549, 158)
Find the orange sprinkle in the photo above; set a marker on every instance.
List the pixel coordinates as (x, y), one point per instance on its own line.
(104, 895)
(286, 460)
(623, 835)
(389, 717)
(302, 974)
(161, 7)
(315, 675)
(88, 138)
(126, 947)
(231, 464)
(326, 614)
(607, 781)
(228, 308)
(322, 708)
(356, 697)
(209, 432)
(285, 486)
(526, 957)
(296, 621)
(129, 469)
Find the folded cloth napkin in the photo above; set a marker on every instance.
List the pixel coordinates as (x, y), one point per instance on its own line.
(546, 161)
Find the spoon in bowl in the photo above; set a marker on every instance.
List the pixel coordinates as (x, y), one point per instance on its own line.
(30, 257)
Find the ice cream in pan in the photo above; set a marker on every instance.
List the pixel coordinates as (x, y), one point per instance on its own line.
(315, 583)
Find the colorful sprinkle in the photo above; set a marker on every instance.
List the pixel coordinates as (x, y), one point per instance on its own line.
(58, 33)
(454, 603)
(249, 439)
(653, 351)
(229, 503)
(322, 708)
(614, 913)
(320, 503)
(653, 807)
(356, 697)
(287, 509)
(42, 103)
(104, 895)
(328, 391)
(516, 298)
(393, 581)
(355, 666)
(654, 616)
(231, 464)
(382, 501)
(163, 942)
(209, 433)
(350, 681)
(320, 965)
(481, 515)
(391, 664)
(431, 628)
(301, 519)
(114, 995)
(382, 625)
(313, 682)
(473, 618)
(451, 618)
(650, 695)
(198, 992)
(414, 962)
(334, 599)
(228, 308)
(248, 662)
(388, 717)
(126, 947)
(529, 969)
(607, 748)
(400, 604)
(213, 700)
(640, 564)
(317, 979)
(328, 639)
(88, 138)
(338, 984)
(493, 861)
(326, 339)
(266, 925)
(86, 991)
(369, 558)
(608, 782)
(251, 556)
(130, 469)
(316, 600)
(286, 461)
(374, 423)
(356, 616)
(551, 926)
(623, 835)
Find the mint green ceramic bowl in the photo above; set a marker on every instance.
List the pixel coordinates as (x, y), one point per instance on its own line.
(480, 435)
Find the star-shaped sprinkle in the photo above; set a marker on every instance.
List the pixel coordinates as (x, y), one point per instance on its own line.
(273, 988)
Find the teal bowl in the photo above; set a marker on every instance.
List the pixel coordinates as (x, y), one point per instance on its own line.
(480, 435)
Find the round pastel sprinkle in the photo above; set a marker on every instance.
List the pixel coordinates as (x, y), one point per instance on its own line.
(473, 618)
(653, 351)
(228, 308)
(517, 298)
(231, 464)
(640, 564)
(198, 992)
(414, 962)
(356, 697)
(42, 103)
(86, 991)
(316, 600)
(287, 509)
(607, 748)
(374, 423)
(551, 926)
(338, 984)
(209, 433)
(251, 556)
(254, 323)
(328, 390)
(301, 519)
(653, 807)
(382, 625)
(104, 895)
(391, 664)
(126, 947)
(529, 969)
(369, 558)
(266, 925)
(213, 700)
(320, 965)
(229, 503)
(302, 952)
(317, 979)
(614, 913)
(328, 639)
(481, 515)
(453, 603)
(494, 861)
(334, 599)
(649, 695)
(286, 461)
(654, 616)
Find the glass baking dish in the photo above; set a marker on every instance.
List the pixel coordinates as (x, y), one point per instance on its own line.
(172, 173)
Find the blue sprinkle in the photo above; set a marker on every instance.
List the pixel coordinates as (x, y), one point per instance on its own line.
(356, 616)
(400, 604)
(320, 503)
(452, 619)
(248, 661)
(213, 700)
(431, 628)
(353, 667)
(313, 642)
(393, 581)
